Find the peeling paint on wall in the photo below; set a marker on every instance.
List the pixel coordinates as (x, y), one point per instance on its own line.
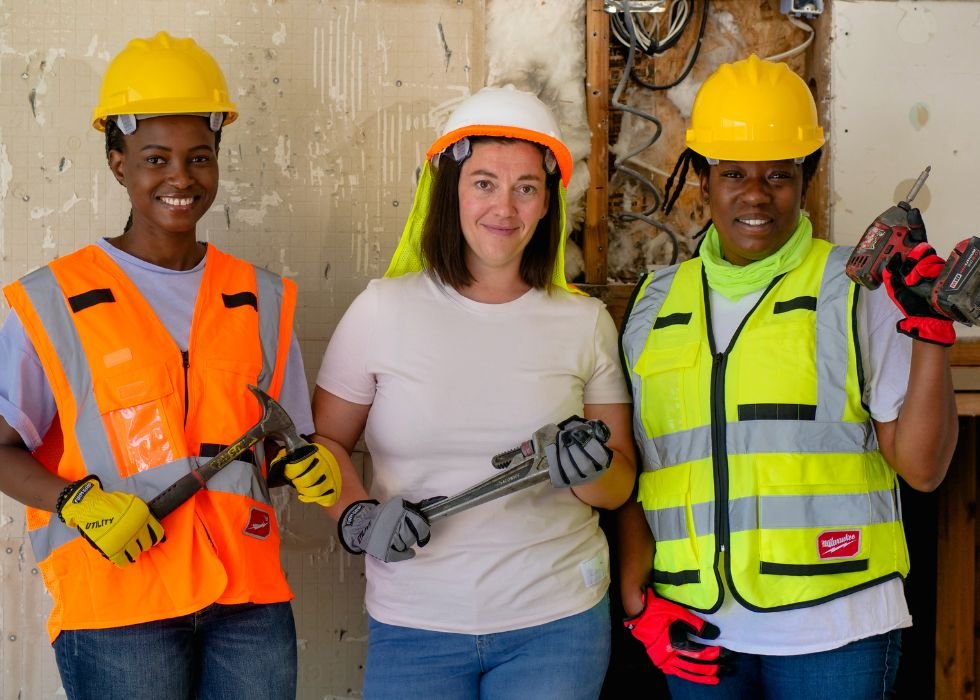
(6, 173)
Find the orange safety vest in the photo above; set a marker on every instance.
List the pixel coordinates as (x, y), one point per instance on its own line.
(138, 412)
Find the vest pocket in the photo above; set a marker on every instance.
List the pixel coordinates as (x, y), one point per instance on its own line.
(669, 379)
(134, 406)
(675, 523)
(225, 400)
(815, 534)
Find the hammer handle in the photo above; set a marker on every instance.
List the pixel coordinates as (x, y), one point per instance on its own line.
(166, 501)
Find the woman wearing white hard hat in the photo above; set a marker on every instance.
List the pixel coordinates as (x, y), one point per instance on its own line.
(472, 343)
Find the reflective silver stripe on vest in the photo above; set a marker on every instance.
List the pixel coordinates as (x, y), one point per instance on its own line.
(642, 316)
(825, 435)
(270, 289)
(780, 512)
(671, 523)
(744, 437)
(43, 290)
(237, 478)
(146, 485)
(833, 318)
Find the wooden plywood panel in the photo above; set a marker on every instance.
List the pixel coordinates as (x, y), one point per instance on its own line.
(957, 584)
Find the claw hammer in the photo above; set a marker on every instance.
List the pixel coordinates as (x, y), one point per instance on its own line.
(275, 422)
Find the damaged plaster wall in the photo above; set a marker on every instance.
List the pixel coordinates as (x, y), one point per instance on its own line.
(338, 101)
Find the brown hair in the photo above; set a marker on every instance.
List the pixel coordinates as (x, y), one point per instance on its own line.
(443, 245)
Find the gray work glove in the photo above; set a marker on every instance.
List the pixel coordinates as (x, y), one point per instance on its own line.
(579, 453)
(387, 531)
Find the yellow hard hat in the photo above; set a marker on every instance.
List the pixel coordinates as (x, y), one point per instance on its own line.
(754, 110)
(163, 75)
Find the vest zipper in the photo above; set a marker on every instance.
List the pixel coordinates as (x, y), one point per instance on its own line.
(719, 453)
(719, 428)
(186, 361)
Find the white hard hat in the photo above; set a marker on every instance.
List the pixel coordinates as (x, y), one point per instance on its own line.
(509, 113)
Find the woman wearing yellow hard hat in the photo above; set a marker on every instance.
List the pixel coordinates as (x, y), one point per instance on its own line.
(471, 345)
(776, 408)
(125, 366)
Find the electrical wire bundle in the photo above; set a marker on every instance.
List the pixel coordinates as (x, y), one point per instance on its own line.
(646, 30)
(678, 19)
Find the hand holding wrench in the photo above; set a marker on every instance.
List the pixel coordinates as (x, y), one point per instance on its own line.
(521, 467)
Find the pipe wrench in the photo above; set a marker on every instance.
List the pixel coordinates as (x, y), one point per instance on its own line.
(523, 466)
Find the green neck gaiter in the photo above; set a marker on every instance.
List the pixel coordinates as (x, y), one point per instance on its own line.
(735, 281)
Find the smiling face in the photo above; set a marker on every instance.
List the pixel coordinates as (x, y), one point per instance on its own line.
(755, 205)
(170, 170)
(502, 197)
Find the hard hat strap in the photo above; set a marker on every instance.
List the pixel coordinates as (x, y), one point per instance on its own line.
(796, 161)
(127, 123)
(463, 149)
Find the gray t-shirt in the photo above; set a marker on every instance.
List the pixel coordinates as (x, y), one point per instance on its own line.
(26, 400)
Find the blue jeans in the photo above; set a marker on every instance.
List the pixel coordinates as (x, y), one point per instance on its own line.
(222, 652)
(565, 660)
(861, 670)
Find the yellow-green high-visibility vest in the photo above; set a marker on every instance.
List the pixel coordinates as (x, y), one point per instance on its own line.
(763, 450)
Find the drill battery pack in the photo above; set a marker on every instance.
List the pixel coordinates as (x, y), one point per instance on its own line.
(956, 292)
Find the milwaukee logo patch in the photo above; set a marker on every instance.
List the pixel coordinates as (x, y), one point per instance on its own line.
(259, 524)
(838, 544)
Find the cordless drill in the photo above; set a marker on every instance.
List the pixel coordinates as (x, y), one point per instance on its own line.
(955, 293)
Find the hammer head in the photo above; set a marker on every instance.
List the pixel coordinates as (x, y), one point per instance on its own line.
(275, 422)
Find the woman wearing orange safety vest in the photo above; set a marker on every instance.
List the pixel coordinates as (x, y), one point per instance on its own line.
(125, 365)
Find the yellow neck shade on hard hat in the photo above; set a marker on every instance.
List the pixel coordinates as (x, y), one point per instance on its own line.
(496, 112)
(408, 255)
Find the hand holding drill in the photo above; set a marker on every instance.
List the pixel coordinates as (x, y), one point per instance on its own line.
(930, 291)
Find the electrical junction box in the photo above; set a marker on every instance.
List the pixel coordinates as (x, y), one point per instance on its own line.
(804, 8)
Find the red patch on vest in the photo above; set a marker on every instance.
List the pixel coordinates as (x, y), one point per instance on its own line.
(259, 524)
(838, 544)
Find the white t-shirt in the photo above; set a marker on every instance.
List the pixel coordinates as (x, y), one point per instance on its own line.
(452, 382)
(865, 613)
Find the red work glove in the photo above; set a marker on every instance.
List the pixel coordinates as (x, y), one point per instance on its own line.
(664, 628)
(909, 283)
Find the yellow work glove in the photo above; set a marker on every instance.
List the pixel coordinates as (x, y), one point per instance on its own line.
(314, 472)
(117, 524)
